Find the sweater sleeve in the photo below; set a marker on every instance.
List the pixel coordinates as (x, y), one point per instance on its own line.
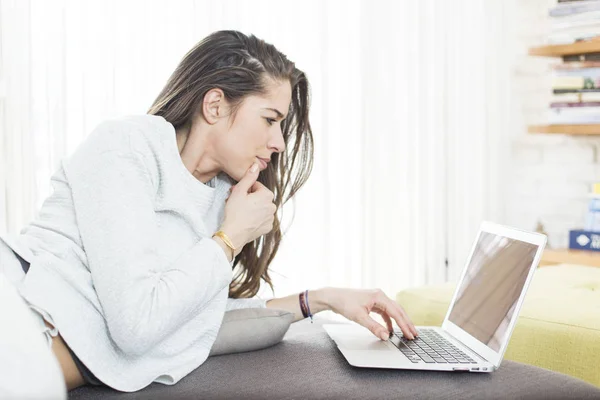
(143, 300)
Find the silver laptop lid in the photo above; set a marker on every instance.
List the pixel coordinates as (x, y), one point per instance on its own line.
(491, 290)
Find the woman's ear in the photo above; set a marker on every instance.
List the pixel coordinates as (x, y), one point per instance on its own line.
(214, 105)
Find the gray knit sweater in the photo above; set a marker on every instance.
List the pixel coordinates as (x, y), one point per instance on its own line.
(122, 260)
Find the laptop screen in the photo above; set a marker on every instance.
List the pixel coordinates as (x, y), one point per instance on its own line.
(491, 288)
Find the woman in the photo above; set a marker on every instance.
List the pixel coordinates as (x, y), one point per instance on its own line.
(130, 263)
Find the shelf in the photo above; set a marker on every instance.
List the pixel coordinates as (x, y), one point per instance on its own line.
(566, 256)
(590, 129)
(586, 47)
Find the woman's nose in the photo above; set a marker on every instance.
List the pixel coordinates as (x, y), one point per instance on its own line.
(277, 142)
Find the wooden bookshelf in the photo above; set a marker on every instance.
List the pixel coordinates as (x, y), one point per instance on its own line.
(566, 256)
(586, 47)
(588, 129)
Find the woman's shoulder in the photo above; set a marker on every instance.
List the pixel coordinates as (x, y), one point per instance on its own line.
(141, 121)
(130, 136)
(145, 124)
(135, 140)
(142, 133)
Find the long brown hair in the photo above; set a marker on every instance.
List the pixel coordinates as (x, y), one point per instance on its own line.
(239, 65)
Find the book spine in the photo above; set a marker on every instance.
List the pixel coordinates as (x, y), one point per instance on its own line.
(575, 104)
(582, 57)
(572, 120)
(560, 91)
(575, 97)
(574, 82)
(576, 66)
(576, 111)
(585, 73)
(573, 8)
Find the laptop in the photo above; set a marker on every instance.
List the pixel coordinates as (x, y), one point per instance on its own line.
(479, 322)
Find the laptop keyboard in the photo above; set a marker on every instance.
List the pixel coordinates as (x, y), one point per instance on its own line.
(430, 347)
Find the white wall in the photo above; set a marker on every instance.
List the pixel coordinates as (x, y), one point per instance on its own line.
(549, 175)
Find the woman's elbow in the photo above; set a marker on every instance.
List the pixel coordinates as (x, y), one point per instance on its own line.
(130, 340)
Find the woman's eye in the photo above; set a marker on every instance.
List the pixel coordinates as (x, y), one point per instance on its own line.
(270, 121)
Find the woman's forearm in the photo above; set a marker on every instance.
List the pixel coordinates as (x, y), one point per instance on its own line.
(317, 301)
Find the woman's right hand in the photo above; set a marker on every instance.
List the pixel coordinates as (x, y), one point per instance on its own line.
(249, 210)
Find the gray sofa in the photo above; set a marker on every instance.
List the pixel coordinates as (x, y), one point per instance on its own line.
(307, 365)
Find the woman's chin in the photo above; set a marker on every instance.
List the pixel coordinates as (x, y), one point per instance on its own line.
(235, 175)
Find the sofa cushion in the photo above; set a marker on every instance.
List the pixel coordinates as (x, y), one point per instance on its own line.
(249, 329)
(308, 365)
(558, 327)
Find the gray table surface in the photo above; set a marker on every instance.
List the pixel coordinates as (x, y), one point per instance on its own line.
(308, 365)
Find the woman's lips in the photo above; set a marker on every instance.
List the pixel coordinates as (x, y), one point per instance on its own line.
(263, 163)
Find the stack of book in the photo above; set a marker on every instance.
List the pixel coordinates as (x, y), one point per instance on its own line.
(588, 238)
(576, 81)
(576, 93)
(574, 20)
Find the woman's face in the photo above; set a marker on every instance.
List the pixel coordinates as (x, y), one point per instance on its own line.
(255, 132)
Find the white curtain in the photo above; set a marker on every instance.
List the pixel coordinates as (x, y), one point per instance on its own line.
(410, 105)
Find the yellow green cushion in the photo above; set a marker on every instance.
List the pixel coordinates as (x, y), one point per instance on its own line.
(558, 327)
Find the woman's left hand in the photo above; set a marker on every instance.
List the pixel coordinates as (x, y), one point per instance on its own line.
(357, 304)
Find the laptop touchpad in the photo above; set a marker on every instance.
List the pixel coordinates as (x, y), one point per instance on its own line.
(367, 341)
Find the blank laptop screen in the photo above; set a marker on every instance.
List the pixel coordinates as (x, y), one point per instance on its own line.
(491, 288)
